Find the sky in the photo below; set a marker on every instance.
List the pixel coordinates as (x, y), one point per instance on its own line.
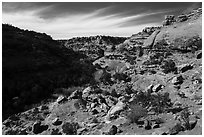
(63, 20)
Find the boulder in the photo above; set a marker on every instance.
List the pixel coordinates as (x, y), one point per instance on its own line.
(169, 20)
(147, 125)
(110, 101)
(157, 87)
(149, 89)
(86, 92)
(155, 126)
(149, 42)
(175, 129)
(43, 107)
(94, 111)
(38, 128)
(182, 18)
(81, 130)
(199, 55)
(184, 67)
(61, 99)
(112, 130)
(76, 95)
(56, 122)
(120, 106)
(117, 108)
(177, 80)
(93, 105)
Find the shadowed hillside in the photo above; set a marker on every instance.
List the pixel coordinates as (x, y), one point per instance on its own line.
(34, 65)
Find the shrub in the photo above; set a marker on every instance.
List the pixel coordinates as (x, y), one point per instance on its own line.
(157, 102)
(67, 91)
(161, 45)
(70, 128)
(189, 45)
(168, 66)
(185, 118)
(136, 112)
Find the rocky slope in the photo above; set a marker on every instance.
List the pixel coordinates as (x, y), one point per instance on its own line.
(151, 84)
(93, 46)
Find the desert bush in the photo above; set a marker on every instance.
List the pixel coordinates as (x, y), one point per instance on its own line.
(67, 91)
(168, 65)
(189, 45)
(161, 45)
(117, 66)
(70, 128)
(121, 76)
(121, 48)
(184, 117)
(155, 58)
(136, 112)
(160, 102)
(122, 88)
(157, 102)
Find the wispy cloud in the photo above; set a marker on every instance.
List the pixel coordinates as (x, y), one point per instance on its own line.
(68, 20)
